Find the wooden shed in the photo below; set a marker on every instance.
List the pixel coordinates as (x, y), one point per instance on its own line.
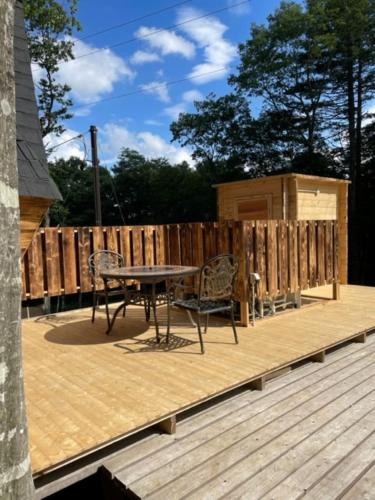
(289, 196)
(36, 189)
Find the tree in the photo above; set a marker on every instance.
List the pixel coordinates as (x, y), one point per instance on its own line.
(347, 36)
(49, 27)
(221, 129)
(74, 178)
(282, 63)
(15, 471)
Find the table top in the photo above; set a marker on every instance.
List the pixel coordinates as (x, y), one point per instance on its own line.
(152, 273)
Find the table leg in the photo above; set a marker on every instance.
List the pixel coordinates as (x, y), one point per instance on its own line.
(153, 300)
(110, 326)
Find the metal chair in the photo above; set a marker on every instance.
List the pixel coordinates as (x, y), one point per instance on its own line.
(99, 262)
(215, 293)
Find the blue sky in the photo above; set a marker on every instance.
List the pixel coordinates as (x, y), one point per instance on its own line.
(202, 52)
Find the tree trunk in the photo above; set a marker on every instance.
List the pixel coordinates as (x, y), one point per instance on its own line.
(15, 472)
(353, 254)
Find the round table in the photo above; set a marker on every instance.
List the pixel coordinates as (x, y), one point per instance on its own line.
(148, 275)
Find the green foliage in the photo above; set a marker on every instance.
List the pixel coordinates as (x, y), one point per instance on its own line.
(154, 191)
(48, 26)
(75, 181)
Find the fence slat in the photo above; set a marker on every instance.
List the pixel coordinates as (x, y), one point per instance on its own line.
(223, 237)
(272, 258)
(36, 267)
(329, 251)
(336, 246)
(137, 245)
(283, 256)
(84, 254)
(149, 245)
(302, 255)
(97, 238)
(260, 257)
(161, 247)
(54, 282)
(197, 244)
(312, 254)
(293, 256)
(69, 260)
(112, 239)
(174, 245)
(125, 245)
(320, 245)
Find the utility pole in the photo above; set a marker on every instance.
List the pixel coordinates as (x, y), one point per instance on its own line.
(95, 164)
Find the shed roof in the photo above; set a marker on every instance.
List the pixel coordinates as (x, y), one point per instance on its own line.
(34, 179)
(316, 178)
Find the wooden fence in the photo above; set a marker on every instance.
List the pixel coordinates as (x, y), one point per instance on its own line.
(289, 255)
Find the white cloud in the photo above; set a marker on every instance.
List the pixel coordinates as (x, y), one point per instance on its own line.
(74, 147)
(239, 8)
(160, 89)
(94, 75)
(142, 57)
(192, 95)
(154, 123)
(116, 137)
(188, 97)
(208, 33)
(166, 41)
(174, 111)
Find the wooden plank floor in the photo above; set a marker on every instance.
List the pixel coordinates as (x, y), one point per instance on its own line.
(310, 433)
(85, 389)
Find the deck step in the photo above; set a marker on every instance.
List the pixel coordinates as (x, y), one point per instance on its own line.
(288, 439)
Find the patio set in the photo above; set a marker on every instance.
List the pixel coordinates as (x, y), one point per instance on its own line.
(165, 284)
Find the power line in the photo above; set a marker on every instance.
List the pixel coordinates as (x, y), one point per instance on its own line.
(134, 20)
(79, 136)
(154, 87)
(155, 32)
(168, 28)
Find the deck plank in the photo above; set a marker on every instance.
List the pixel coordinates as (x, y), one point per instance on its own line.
(364, 488)
(247, 446)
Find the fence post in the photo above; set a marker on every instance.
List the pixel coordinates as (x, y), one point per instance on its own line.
(239, 250)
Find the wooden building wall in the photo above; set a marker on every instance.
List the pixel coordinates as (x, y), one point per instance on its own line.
(32, 211)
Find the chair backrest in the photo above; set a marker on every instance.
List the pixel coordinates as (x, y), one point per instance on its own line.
(101, 261)
(217, 278)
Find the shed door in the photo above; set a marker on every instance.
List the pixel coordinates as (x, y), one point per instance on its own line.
(252, 209)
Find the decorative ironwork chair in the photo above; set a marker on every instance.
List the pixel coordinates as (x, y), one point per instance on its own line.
(99, 262)
(215, 293)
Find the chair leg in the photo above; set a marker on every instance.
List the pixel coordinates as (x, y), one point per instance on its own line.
(206, 325)
(107, 310)
(200, 333)
(168, 318)
(147, 309)
(124, 311)
(233, 323)
(94, 304)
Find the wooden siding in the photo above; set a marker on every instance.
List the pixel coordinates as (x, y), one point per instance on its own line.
(317, 200)
(32, 211)
(288, 255)
(85, 389)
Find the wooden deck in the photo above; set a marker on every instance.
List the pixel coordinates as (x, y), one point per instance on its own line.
(85, 390)
(310, 433)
